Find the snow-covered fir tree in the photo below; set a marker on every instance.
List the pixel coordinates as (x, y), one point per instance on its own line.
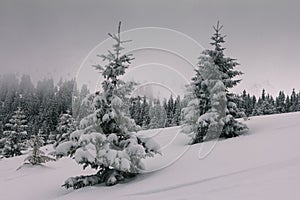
(193, 109)
(135, 110)
(280, 102)
(145, 113)
(251, 101)
(243, 102)
(177, 112)
(294, 102)
(246, 103)
(204, 117)
(170, 111)
(211, 123)
(36, 155)
(66, 126)
(265, 105)
(16, 134)
(139, 111)
(157, 115)
(80, 108)
(298, 102)
(287, 103)
(107, 140)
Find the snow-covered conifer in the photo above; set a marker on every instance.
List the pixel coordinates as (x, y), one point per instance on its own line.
(157, 115)
(294, 102)
(177, 112)
(37, 156)
(170, 111)
(280, 102)
(66, 126)
(204, 117)
(135, 110)
(15, 134)
(107, 140)
(265, 105)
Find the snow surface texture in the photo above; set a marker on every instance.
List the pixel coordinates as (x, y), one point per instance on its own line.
(264, 164)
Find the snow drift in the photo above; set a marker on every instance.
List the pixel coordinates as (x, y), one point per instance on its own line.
(264, 164)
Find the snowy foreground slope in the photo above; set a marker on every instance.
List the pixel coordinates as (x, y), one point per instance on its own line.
(265, 164)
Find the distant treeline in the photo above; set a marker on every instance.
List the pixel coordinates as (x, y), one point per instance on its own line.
(266, 104)
(45, 102)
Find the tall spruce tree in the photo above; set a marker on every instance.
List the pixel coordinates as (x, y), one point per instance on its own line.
(177, 112)
(265, 105)
(249, 105)
(298, 102)
(208, 123)
(145, 113)
(287, 103)
(16, 134)
(157, 115)
(170, 111)
(107, 140)
(293, 101)
(246, 104)
(65, 127)
(214, 73)
(280, 102)
(80, 108)
(136, 110)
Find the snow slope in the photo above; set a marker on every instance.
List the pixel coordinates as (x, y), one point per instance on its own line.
(264, 164)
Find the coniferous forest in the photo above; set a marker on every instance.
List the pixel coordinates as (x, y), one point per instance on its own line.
(44, 104)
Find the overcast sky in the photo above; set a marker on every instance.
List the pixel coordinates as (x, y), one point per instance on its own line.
(51, 38)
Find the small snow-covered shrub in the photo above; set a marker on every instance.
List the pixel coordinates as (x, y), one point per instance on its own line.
(37, 156)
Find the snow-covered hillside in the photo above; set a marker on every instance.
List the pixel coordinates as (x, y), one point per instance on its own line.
(264, 164)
